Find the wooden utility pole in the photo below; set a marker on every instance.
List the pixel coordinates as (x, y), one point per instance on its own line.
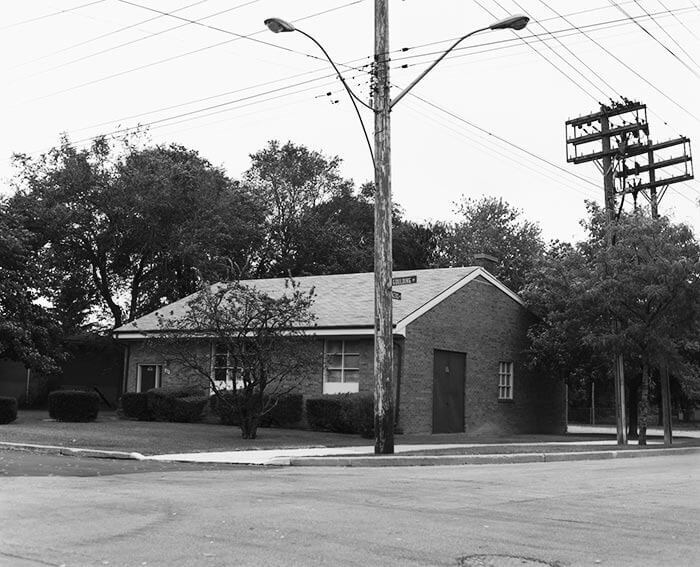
(633, 125)
(619, 364)
(383, 324)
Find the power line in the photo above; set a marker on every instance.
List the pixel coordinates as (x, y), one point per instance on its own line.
(104, 35)
(593, 71)
(652, 36)
(44, 16)
(595, 25)
(502, 139)
(681, 22)
(628, 67)
(479, 144)
(195, 51)
(673, 39)
(137, 40)
(574, 81)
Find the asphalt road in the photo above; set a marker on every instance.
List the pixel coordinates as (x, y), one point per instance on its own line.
(622, 512)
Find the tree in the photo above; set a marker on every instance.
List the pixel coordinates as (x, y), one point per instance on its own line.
(648, 282)
(260, 351)
(29, 333)
(491, 226)
(292, 180)
(126, 230)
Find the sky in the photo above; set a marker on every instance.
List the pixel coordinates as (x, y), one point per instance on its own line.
(488, 121)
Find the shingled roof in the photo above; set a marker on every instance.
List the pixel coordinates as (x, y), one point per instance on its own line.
(344, 302)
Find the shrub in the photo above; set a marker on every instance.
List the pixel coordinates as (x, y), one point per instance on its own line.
(182, 405)
(287, 411)
(342, 413)
(135, 406)
(8, 409)
(74, 405)
(224, 406)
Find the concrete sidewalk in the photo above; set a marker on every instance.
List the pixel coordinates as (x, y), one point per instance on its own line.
(407, 454)
(430, 454)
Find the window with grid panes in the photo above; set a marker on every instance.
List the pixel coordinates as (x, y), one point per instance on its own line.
(341, 373)
(505, 380)
(225, 369)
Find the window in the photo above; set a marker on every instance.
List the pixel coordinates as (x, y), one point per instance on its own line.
(225, 369)
(341, 372)
(505, 380)
(148, 376)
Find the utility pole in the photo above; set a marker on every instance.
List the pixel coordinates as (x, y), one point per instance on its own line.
(384, 400)
(383, 317)
(632, 127)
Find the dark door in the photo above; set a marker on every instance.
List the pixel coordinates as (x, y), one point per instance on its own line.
(148, 377)
(448, 391)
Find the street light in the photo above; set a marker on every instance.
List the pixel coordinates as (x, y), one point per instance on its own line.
(381, 157)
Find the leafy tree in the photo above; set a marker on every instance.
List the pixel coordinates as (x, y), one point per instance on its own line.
(491, 226)
(258, 335)
(28, 331)
(292, 181)
(648, 282)
(132, 228)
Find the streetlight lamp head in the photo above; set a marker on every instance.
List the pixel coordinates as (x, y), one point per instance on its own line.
(278, 25)
(516, 22)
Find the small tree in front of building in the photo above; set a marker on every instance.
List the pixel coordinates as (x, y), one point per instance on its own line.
(250, 345)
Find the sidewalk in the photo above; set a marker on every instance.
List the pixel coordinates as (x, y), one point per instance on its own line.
(581, 443)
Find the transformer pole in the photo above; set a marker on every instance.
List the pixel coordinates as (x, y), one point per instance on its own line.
(383, 323)
(618, 366)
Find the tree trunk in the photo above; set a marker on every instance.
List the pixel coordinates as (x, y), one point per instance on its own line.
(633, 406)
(644, 408)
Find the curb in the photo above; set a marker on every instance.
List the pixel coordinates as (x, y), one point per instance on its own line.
(446, 460)
(73, 452)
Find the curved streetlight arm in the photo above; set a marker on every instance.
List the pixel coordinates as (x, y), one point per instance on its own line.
(340, 76)
(417, 80)
(351, 94)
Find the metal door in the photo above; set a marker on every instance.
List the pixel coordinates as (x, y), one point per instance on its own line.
(448, 391)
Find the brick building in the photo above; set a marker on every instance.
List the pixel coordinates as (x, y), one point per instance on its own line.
(459, 342)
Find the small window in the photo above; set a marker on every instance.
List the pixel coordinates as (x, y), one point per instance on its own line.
(225, 370)
(505, 380)
(148, 376)
(341, 372)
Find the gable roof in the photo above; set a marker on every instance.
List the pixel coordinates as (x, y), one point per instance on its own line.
(344, 303)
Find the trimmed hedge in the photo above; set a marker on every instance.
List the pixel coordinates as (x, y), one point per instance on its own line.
(8, 409)
(287, 412)
(135, 406)
(181, 405)
(342, 413)
(74, 405)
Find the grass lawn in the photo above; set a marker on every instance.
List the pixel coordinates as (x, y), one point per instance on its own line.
(152, 438)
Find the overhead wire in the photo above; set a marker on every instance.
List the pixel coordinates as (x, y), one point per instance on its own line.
(104, 35)
(681, 22)
(237, 37)
(554, 65)
(479, 143)
(593, 71)
(652, 36)
(663, 29)
(625, 65)
(564, 32)
(140, 39)
(50, 15)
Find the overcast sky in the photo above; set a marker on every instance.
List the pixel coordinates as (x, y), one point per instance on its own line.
(226, 85)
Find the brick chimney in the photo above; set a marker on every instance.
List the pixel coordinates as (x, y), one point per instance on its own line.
(486, 261)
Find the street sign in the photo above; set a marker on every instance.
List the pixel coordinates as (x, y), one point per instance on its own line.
(395, 295)
(403, 280)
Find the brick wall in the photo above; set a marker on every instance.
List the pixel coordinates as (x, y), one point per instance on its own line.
(489, 327)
